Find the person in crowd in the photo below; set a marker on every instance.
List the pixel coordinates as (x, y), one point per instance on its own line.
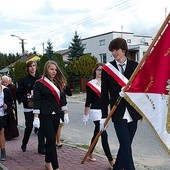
(7, 81)
(49, 101)
(13, 88)
(5, 105)
(11, 130)
(92, 110)
(125, 117)
(25, 95)
(67, 92)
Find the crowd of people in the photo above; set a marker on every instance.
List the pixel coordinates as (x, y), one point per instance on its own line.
(45, 108)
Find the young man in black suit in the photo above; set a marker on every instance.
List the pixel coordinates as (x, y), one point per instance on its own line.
(125, 117)
(25, 95)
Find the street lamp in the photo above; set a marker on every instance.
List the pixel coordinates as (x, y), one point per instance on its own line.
(22, 43)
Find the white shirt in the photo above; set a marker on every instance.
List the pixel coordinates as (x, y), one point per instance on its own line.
(126, 114)
(2, 113)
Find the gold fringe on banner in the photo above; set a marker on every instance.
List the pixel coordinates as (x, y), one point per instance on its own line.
(168, 116)
(143, 115)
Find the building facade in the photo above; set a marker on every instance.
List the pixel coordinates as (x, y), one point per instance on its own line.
(97, 45)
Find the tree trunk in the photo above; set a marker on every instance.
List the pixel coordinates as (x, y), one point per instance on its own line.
(83, 82)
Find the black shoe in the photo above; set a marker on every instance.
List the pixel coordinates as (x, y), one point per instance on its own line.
(59, 146)
(23, 147)
(42, 151)
(3, 155)
(36, 130)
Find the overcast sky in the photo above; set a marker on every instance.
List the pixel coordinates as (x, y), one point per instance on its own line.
(38, 21)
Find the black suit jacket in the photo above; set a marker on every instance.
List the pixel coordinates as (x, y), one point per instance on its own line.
(110, 92)
(45, 102)
(25, 85)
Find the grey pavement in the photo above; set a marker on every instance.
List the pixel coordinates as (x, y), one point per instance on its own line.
(69, 156)
(147, 150)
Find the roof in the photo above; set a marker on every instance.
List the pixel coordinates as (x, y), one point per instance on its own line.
(24, 59)
(63, 52)
(4, 70)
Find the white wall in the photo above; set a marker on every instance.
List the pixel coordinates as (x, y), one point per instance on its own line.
(92, 44)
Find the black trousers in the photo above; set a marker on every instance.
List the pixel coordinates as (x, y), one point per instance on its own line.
(104, 140)
(49, 125)
(29, 118)
(125, 133)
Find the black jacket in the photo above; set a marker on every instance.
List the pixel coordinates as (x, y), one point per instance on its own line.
(25, 85)
(44, 100)
(110, 92)
(92, 99)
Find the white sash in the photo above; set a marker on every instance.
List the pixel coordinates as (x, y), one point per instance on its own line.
(116, 74)
(52, 87)
(97, 89)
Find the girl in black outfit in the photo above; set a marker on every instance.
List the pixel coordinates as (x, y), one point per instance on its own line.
(93, 110)
(48, 104)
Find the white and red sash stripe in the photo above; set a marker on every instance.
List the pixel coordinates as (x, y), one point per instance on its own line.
(116, 74)
(52, 87)
(96, 88)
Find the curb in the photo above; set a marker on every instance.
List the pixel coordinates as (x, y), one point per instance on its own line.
(2, 167)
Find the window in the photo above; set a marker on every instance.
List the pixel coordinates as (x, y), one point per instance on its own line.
(144, 53)
(103, 58)
(128, 40)
(101, 42)
(146, 43)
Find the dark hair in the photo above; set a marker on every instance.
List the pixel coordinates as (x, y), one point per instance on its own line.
(95, 68)
(118, 43)
(28, 64)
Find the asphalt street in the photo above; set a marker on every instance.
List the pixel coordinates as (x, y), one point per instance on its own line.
(147, 150)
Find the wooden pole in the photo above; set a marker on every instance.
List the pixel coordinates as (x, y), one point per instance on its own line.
(146, 55)
(100, 132)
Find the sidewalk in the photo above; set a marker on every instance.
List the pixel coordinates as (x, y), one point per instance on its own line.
(69, 157)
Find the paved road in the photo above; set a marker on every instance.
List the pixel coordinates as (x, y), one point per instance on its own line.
(147, 150)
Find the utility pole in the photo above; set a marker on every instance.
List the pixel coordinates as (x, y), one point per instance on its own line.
(22, 43)
(43, 48)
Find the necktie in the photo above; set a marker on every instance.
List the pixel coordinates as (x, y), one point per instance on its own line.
(121, 68)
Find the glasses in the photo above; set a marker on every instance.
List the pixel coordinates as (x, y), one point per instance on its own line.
(99, 69)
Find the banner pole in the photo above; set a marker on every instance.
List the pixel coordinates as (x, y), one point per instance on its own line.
(146, 55)
(100, 132)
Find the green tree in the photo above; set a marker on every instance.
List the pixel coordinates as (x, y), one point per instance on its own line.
(49, 50)
(19, 70)
(59, 60)
(3, 59)
(6, 60)
(76, 48)
(49, 55)
(56, 57)
(83, 66)
(41, 63)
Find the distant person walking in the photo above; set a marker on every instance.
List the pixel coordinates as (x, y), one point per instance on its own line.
(67, 92)
(25, 95)
(11, 130)
(5, 106)
(93, 111)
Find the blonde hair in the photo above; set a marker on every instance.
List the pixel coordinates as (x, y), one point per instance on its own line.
(59, 78)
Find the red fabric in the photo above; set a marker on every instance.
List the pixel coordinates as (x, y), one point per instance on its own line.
(115, 76)
(94, 88)
(153, 76)
(52, 90)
